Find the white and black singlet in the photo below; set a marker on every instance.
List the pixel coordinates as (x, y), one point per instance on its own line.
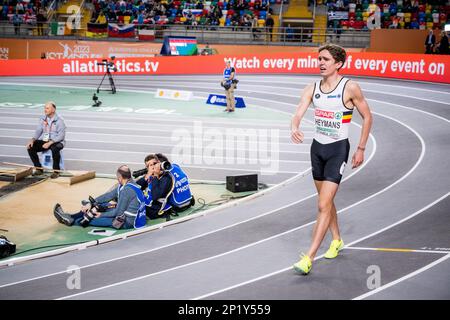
(330, 147)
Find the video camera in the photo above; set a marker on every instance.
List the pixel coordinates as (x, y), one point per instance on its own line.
(7, 248)
(227, 84)
(89, 215)
(165, 165)
(109, 65)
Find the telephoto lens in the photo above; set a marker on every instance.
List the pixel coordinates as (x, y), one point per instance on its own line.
(88, 216)
(165, 165)
(139, 173)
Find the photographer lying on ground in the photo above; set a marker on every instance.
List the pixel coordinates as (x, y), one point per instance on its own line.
(165, 182)
(127, 213)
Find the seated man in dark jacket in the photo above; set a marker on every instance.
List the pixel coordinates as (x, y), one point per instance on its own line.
(129, 212)
(158, 185)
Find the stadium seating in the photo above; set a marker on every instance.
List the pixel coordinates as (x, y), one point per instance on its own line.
(402, 14)
(214, 12)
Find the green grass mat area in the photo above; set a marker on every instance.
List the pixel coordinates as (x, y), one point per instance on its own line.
(131, 102)
(58, 236)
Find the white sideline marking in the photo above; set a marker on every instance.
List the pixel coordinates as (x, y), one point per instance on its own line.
(166, 137)
(245, 160)
(317, 258)
(177, 85)
(267, 172)
(408, 276)
(117, 123)
(210, 232)
(399, 250)
(143, 144)
(144, 116)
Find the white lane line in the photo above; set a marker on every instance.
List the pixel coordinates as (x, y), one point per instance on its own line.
(246, 77)
(262, 169)
(217, 230)
(365, 199)
(194, 147)
(81, 114)
(176, 138)
(239, 160)
(150, 126)
(412, 109)
(399, 250)
(212, 231)
(319, 257)
(239, 132)
(154, 249)
(360, 80)
(115, 135)
(216, 256)
(408, 276)
(244, 86)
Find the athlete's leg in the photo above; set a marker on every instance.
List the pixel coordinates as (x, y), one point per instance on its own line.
(334, 228)
(326, 196)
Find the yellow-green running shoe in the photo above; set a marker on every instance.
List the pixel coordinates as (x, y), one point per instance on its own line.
(304, 265)
(335, 247)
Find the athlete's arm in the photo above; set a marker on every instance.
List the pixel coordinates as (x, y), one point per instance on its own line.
(305, 101)
(362, 106)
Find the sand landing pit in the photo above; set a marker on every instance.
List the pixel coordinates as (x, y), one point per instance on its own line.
(28, 214)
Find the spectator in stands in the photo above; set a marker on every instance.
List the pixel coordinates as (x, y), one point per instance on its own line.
(140, 18)
(190, 18)
(442, 45)
(289, 33)
(50, 134)
(19, 8)
(121, 208)
(394, 24)
(17, 21)
(430, 41)
(269, 25)
(101, 18)
(337, 28)
(246, 21)
(255, 29)
(40, 20)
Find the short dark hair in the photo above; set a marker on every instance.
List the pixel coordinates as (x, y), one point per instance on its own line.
(161, 157)
(151, 157)
(124, 172)
(337, 52)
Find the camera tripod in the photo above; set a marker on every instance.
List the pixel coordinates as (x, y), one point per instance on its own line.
(111, 82)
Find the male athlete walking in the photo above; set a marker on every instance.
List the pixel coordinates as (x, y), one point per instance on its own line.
(333, 98)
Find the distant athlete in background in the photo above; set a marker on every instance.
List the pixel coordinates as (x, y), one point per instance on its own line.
(333, 98)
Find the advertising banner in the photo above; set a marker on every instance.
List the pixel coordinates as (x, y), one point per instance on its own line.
(73, 49)
(174, 94)
(219, 100)
(434, 68)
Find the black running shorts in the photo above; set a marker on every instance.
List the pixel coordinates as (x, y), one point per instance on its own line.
(328, 160)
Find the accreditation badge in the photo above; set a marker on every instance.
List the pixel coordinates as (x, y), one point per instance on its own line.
(46, 137)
